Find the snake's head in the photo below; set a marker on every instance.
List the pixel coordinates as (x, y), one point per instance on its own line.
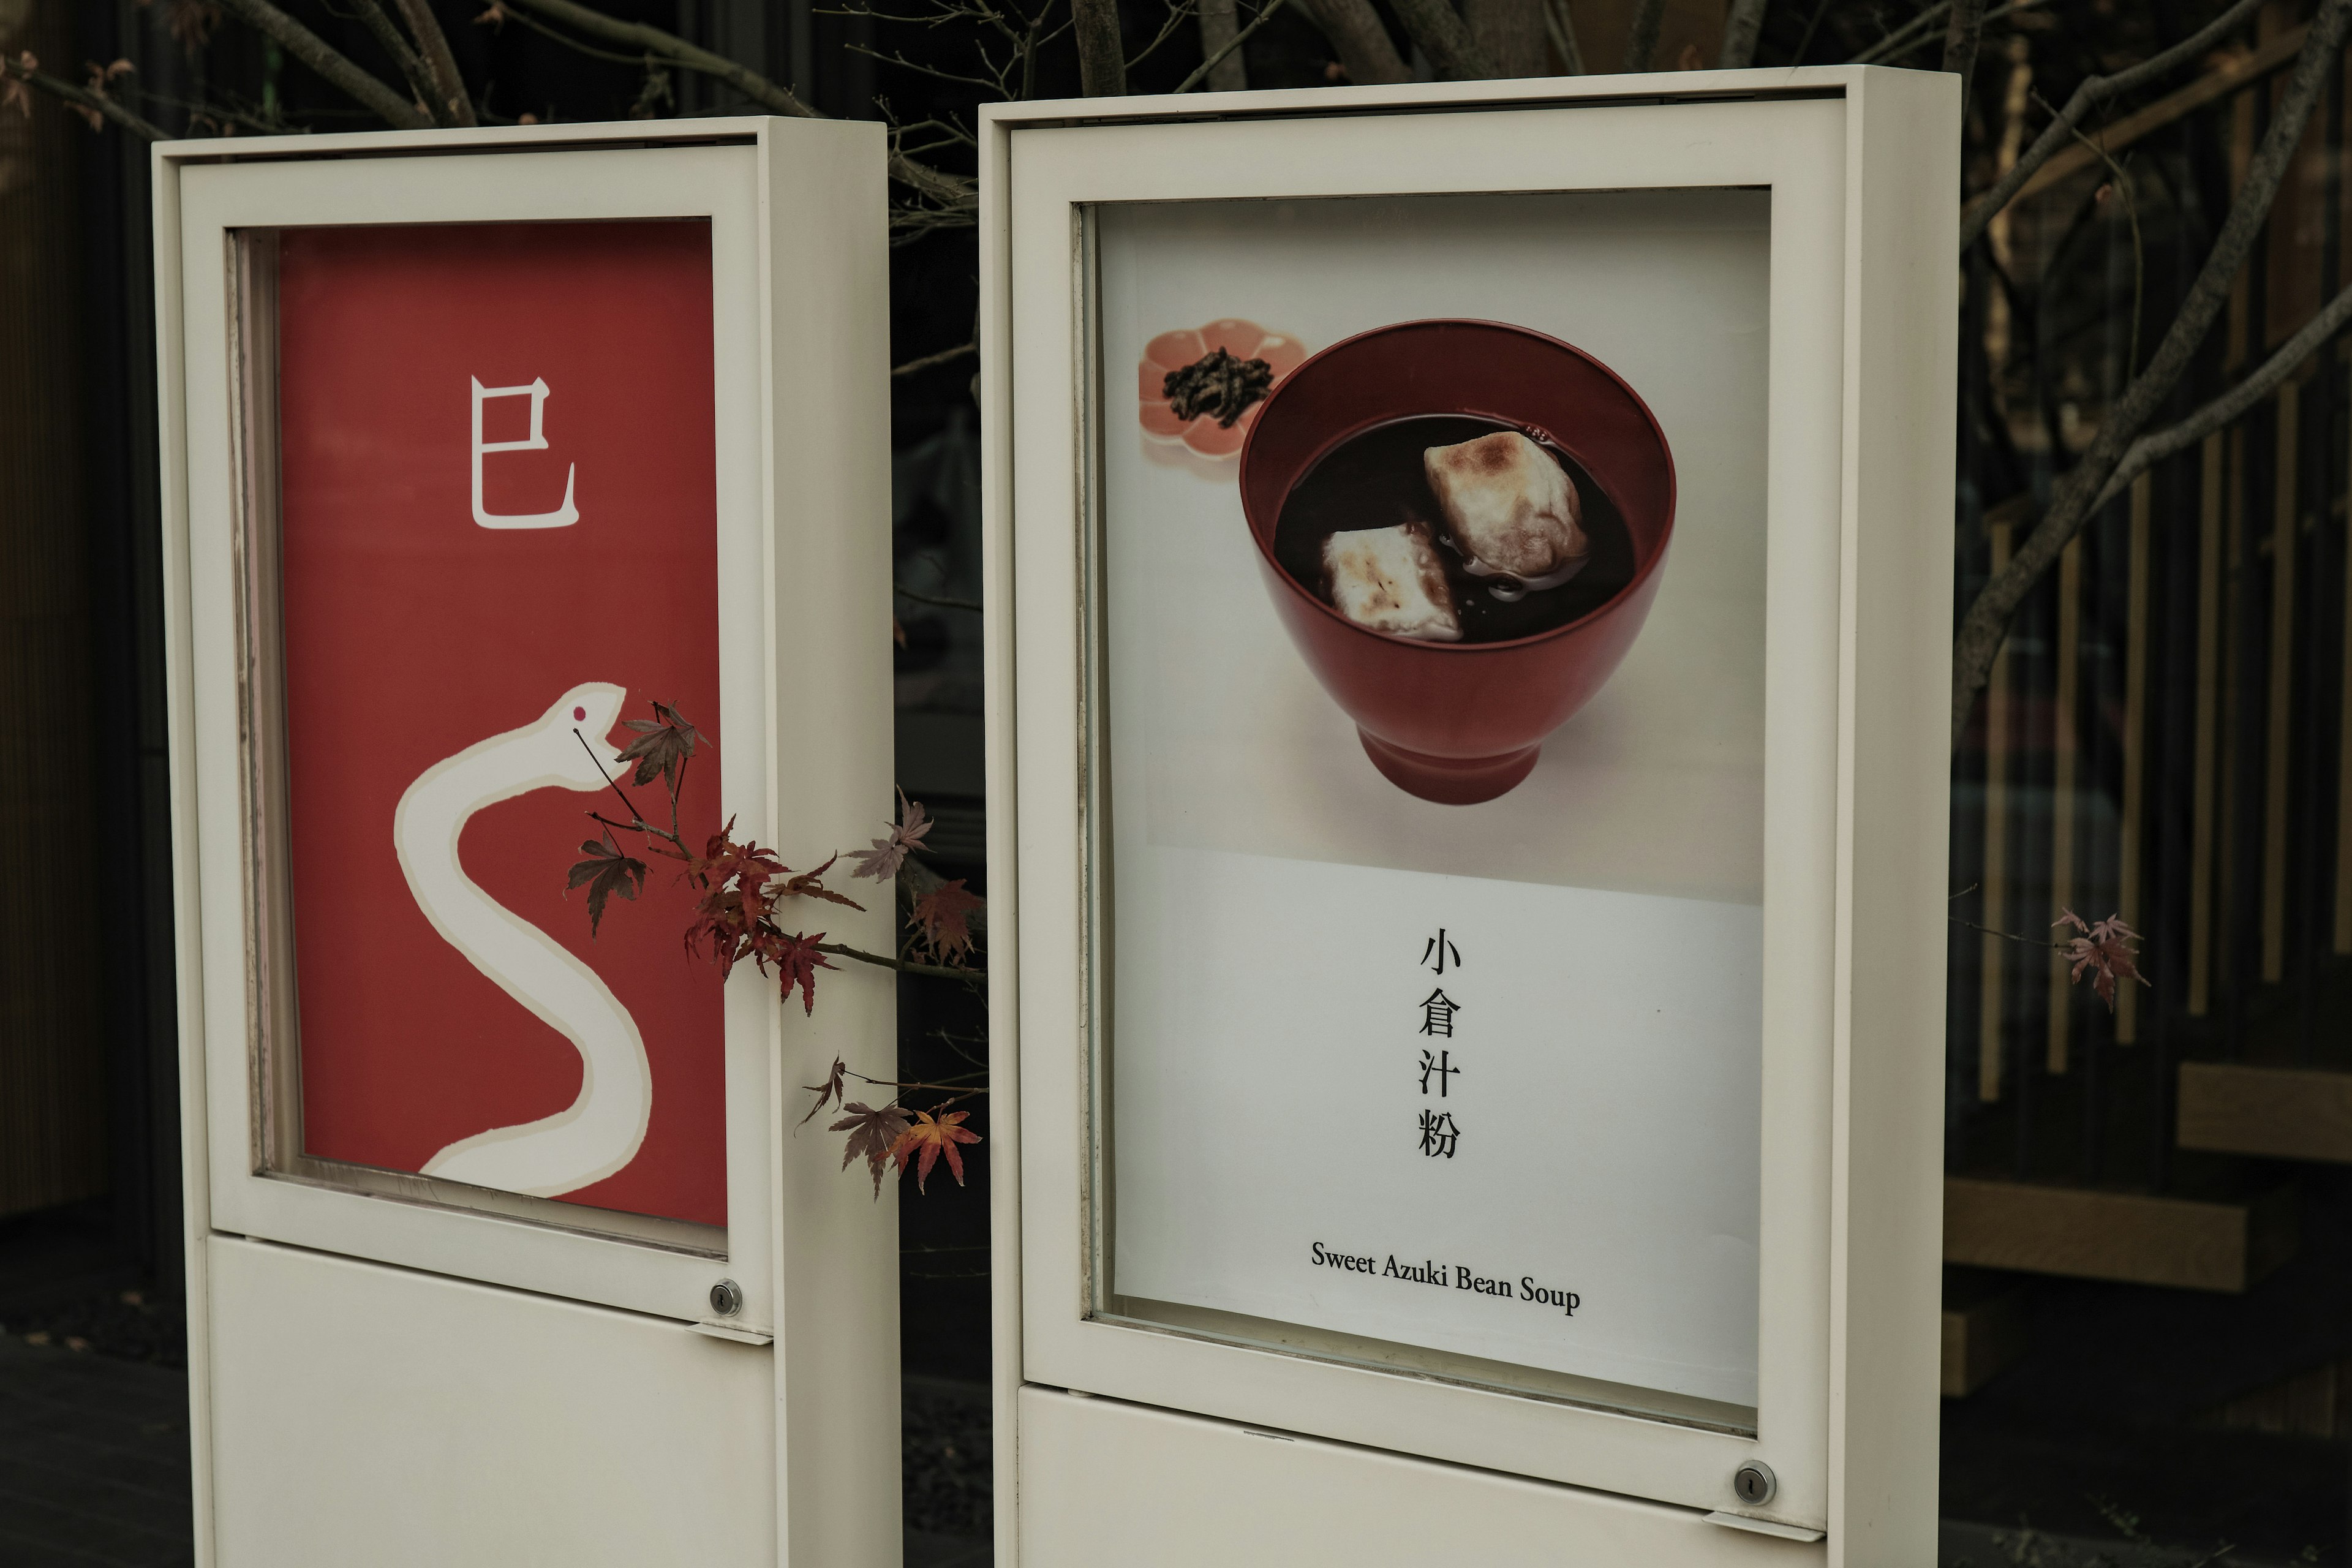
(593, 710)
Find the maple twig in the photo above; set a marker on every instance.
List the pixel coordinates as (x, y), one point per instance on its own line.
(951, 1085)
(926, 361)
(950, 1040)
(616, 784)
(934, 1110)
(903, 965)
(2010, 935)
(678, 853)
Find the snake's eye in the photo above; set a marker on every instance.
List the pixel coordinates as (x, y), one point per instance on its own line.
(579, 714)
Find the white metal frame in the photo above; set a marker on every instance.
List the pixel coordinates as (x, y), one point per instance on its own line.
(1863, 272)
(800, 286)
(217, 201)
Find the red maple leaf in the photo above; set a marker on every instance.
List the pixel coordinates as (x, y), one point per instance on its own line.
(832, 1089)
(2105, 948)
(732, 911)
(932, 1139)
(796, 961)
(806, 884)
(605, 870)
(941, 916)
(663, 744)
(890, 853)
(873, 1133)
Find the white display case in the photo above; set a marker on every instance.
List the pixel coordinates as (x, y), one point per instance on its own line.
(1641, 779)
(476, 443)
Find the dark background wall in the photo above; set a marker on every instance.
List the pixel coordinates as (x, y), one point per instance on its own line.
(52, 1083)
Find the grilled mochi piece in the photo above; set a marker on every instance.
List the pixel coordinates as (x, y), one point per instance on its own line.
(1389, 580)
(1509, 508)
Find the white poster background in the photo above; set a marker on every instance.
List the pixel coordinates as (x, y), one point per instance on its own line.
(1272, 895)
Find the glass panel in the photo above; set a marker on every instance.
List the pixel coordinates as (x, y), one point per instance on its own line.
(1429, 791)
(2165, 740)
(480, 534)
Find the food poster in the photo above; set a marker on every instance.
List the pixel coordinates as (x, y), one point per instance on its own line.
(1433, 543)
(500, 545)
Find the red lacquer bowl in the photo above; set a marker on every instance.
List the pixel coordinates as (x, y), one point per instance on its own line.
(1461, 722)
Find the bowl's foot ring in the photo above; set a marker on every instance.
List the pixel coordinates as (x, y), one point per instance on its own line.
(1450, 781)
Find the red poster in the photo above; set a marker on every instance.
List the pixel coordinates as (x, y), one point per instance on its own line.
(500, 540)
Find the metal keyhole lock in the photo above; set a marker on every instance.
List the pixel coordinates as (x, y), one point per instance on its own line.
(727, 1299)
(1755, 1483)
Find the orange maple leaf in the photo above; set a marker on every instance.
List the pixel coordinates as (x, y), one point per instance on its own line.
(932, 1139)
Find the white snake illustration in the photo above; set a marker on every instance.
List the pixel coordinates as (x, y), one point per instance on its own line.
(600, 1132)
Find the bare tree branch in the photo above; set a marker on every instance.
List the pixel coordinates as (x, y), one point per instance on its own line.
(79, 98)
(648, 39)
(1962, 35)
(1205, 67)
(2226, 409)
(395, 42)
(337, 69)
(1561, 27)
(2121, 183)
(1446, 39)
(1511, 32)
(2094, 92)
(1986, 621)
(955, 192)
(2224, 76)
(434, 45)
(1102, 57)
(1641, 41)
(993, 85)
(1218, 28)
(1740, 30)
(1366, 52)
(1177, 12)
(1915, 32)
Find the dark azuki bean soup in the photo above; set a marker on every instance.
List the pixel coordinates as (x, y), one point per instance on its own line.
(1374, 479)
